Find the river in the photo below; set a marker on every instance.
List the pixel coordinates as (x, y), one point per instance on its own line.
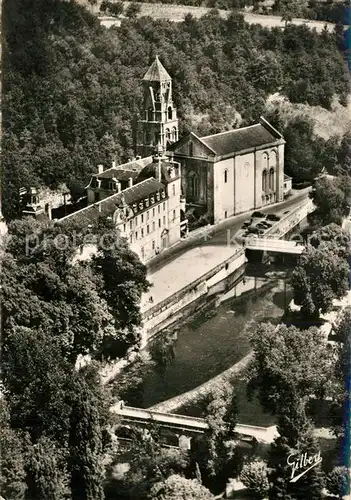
(219, 337)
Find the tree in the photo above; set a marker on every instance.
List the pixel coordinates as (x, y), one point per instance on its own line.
(340, 406)
(330, 200)
(150, 463)
(85, 441)
(221, 415)
(162, 349)
(254, 477)
(40, 259)
(295, 438)
(133, 10)
(45, 479)
(12, 470)
(320, 277)
(333, 237)
(129, 385)
(177, 487)
(288, 361)
(116, 9)
(123, 281)
(337, 481)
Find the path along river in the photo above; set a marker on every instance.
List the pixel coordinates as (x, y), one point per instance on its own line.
(217, 339)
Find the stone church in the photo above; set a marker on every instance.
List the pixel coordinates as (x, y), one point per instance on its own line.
(150, 198)
(223, 174)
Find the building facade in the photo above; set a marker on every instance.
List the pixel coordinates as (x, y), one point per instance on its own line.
(158, 123)
(232, 172)
(147, 212)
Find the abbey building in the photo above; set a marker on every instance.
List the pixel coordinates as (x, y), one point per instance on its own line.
(172, 180)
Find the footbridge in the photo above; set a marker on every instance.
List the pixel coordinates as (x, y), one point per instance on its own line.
(275, 246)
(185, 427)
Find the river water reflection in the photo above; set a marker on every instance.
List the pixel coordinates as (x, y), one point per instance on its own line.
(212, 342)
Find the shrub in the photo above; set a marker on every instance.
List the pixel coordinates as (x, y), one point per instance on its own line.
(337, 482)
(254, 477)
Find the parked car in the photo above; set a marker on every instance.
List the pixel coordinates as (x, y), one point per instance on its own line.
(253, 230)
(273, 217)
(266, 224)
(258, 215)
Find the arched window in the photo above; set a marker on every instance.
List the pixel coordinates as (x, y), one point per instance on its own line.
(192, 185)
(273, 159)
(271, 179)
(174, 134)
(264, 181)
(225, 176)
(170, 113)
(265, 161)
(168, 135)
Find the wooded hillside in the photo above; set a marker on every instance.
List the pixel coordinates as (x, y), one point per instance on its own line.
(71, 88)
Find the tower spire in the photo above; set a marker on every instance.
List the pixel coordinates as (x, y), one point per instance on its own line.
(159, 122)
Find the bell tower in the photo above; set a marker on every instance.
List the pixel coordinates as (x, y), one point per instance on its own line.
(158, 122)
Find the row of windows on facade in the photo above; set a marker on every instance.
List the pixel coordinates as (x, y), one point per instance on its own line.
(147, 201)
(147, 217)
(268, 181)
(149, 228)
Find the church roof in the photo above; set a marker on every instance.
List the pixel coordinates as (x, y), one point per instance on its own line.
(107, 206)
(156, 72)
(240, 139)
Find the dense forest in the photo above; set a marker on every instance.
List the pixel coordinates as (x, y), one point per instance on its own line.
(71, 88)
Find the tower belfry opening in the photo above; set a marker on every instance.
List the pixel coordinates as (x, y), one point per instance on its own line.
(158, 122)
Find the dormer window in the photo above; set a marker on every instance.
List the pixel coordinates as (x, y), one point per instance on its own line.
(158, 196)
(112, 186)
(141, 205)
(152, 199)
(135, 207)
(146, 201)
(163, 194)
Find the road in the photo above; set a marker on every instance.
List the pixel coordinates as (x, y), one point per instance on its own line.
(218, 235)
(176, 14)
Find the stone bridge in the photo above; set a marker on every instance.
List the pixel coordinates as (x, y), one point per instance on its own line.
(185, 427)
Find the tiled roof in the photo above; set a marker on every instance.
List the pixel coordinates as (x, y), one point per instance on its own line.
(239, 139)
(108, 206)
(156, 72)
(120, 173)
(126, 170)
(151, 170)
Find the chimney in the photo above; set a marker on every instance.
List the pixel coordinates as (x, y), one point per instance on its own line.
(113, 164)
(130, 182)
(99, 207)
(159, 168)
(118, 184)
(100, 169)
